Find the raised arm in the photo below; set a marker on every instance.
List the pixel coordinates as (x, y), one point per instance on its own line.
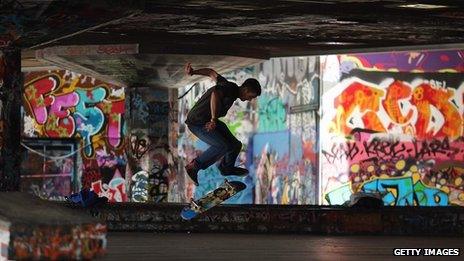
(203, 71)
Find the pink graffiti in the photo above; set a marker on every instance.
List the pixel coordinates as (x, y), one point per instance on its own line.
(38, 96)
(115, 123)
(60, 123)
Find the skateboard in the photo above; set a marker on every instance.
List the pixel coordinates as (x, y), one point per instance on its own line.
(213, 198)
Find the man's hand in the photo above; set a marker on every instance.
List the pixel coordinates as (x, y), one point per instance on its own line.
(211, 125)
(202, 71)
(188, 69)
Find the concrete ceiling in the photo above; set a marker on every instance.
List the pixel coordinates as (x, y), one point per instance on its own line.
(167, 33)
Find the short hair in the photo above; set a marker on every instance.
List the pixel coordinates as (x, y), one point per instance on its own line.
(253, 85)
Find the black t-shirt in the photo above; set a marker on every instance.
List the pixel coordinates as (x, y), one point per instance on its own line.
(201, 111)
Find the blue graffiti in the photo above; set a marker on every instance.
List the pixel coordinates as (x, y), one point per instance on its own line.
(407, 193)
(89, 118)
(272, 114)
(140, 107)
(340, 195)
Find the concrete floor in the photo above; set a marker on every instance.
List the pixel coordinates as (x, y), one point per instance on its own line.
(183, 246)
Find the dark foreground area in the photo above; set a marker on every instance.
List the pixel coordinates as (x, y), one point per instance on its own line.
(201, 246)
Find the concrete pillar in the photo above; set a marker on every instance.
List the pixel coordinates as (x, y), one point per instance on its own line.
(10, 118)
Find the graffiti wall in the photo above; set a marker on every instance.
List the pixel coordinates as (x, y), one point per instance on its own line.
(277, 130)
(65, 105)
(393, 124)
(152, 165)
(2, 75)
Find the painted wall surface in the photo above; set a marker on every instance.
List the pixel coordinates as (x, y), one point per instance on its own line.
(63, 104)
(277, 130)
(392, 123)
(153, 167)
(2, 75)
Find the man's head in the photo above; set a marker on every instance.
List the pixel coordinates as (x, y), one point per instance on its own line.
(250, 89)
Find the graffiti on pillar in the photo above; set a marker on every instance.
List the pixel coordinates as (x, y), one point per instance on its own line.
(140, 186)
(282, 171)
(393, 125)
(154, 165)
(64, 104)
(158, 118)
(158, 178)
(156, 169)
(176, 184)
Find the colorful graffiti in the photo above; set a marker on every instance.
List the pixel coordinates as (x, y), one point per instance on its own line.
(422, 110)
(152, 162)
(402, 182)
(413, 169)
(278, 144)
(105, 174)
(393, 124)
(64, 111)
(156, 171)
(63, 104)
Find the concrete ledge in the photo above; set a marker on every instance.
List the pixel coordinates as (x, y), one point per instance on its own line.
(31, 228)
(436, 221)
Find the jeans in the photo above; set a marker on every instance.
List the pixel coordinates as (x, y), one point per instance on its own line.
(222, 143)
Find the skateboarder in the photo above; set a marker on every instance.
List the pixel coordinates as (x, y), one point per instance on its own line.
(202, 120)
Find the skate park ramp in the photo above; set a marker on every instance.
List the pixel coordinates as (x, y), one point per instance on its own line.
(33, 228)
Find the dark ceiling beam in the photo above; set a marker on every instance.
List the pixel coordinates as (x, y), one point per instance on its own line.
(169, 43)
(270, 8)
(49, 42)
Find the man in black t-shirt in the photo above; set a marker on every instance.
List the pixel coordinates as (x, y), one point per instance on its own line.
(202, 120)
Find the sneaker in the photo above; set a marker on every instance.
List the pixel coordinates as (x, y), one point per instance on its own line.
(192, 172)
(234, 171)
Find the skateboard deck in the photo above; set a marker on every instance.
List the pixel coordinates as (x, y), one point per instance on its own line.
(213, 198)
